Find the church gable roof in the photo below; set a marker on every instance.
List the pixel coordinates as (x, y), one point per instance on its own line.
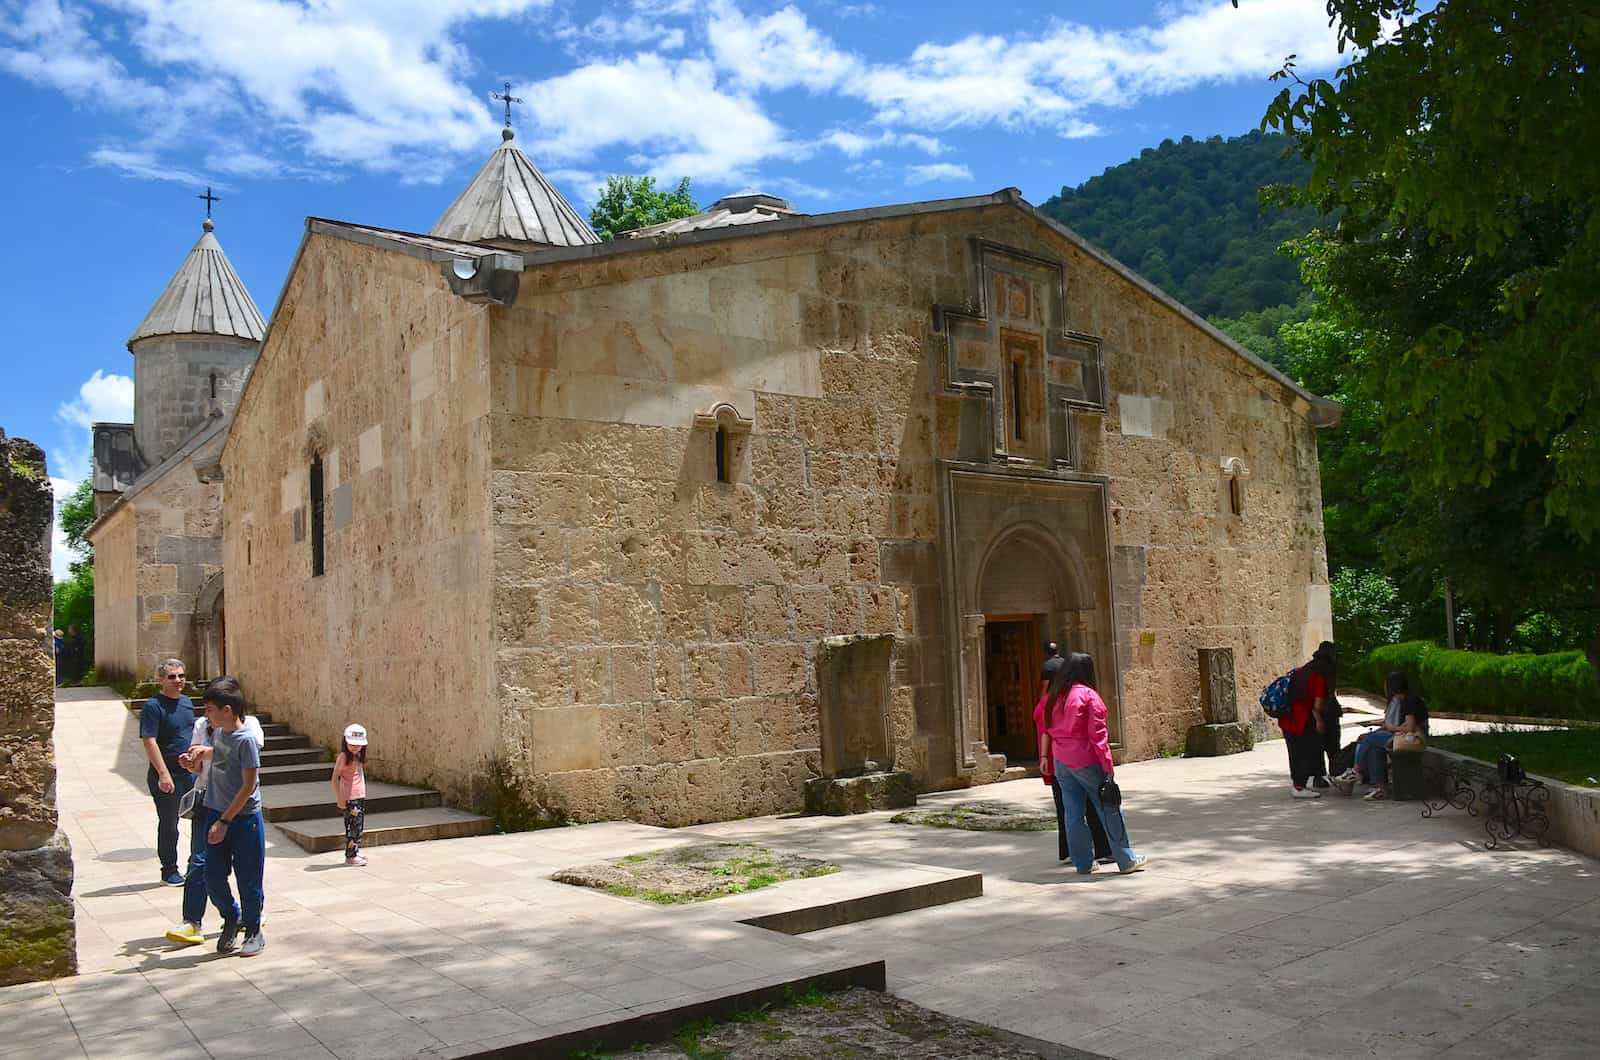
(511, 202)
(204, 297)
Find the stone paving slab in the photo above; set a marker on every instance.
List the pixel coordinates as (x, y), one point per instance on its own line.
(1266, 927)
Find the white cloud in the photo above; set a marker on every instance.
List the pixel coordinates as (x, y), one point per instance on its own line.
(101, 398)
(673, 113)
(779, 51)
(613, 31)
(854, 145)
(937, 171)
(147, 166)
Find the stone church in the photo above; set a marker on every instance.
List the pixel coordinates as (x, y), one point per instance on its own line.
(157, 534)
(584, 529)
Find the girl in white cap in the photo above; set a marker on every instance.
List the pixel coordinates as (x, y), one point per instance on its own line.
(350, 790)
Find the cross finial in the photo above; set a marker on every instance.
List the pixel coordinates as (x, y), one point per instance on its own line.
(209, 198)
(508, 98)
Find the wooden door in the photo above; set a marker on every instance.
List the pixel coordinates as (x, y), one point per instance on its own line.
(1013, 660)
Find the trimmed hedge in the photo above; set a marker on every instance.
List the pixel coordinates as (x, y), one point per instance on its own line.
(1562, 685)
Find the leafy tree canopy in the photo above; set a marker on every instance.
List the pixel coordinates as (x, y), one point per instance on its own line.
(1457, 148)
(634, 202)
(77, 513)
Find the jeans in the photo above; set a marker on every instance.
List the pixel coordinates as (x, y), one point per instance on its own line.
(1080, 789)
(243, 850)
(1372, 755)
(167, 812)
(194, 881)
(1102, 845)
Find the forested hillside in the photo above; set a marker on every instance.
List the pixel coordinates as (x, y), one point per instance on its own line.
(1185, 216)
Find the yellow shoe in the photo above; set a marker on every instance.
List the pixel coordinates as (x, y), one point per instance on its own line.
(188, 934)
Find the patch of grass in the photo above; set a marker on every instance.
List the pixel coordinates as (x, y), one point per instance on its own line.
(26, 468)
(983, 1032)
(690, 1040)
(696, 873)
(1571, 755)
(813, 997)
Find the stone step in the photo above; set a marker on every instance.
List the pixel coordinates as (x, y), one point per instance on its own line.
(287, 743)
(297, 756)
(382, 829)
(308, 801)
(297, 774)
(274, 728)
(135, 705)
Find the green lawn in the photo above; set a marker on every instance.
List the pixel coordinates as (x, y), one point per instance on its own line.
(1572, 755)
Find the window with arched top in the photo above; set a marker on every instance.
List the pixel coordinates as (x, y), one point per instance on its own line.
(729, 431)
(1234, 476)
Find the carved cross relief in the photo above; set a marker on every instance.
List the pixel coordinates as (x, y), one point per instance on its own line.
(1025, 375)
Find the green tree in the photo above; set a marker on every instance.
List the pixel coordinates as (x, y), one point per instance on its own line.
(1456, 149)
(634, 202)
(77, 513)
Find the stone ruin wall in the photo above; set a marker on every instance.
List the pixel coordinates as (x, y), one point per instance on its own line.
(36, 913)
(655, 630)
(373, 364)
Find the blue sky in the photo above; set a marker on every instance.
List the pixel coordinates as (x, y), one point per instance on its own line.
(116, 113)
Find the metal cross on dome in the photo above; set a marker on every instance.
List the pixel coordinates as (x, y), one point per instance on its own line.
(209, 198)
(508, 98)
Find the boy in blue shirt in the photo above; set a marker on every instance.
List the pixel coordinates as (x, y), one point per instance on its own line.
(236, 835)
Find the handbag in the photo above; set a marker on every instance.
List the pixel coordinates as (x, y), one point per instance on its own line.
(1110, 794)
(1406, 741)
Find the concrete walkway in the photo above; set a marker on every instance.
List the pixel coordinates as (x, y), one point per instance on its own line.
(1266, 927)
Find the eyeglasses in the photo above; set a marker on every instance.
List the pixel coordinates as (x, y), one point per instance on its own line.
(174, 677)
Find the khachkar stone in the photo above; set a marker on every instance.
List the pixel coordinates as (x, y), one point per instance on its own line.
(1222, 733)
(852, 714)
(36, 926)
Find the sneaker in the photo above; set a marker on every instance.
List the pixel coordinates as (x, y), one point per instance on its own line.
(1306, 793)
(187, 933)
(1344, 786)
(173, 879)
(1375, 795)
(254, 943)
(358, 860)
(1348, 775)
(1140, 863)
(228, 941)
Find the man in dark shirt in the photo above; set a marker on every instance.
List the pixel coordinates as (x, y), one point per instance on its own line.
(166, 723)
(1052, 662)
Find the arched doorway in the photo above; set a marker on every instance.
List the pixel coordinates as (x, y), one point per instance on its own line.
(1028, 596)
(211, 633)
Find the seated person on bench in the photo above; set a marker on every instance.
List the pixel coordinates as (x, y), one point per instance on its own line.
(1405, 713)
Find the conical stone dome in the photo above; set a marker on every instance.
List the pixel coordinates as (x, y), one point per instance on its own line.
(511, 204)
(204, 297)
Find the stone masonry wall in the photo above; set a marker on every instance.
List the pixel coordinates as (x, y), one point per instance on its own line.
(373, 366)
(116, 603)
(154, 557)
(36, 912)
(655, 629)
(173, 393)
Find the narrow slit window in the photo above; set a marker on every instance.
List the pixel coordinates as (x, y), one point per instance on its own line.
(317, 558)
(247, 552)
(1236, 495)
(722, 455)
(213, 386)
(1016, 400)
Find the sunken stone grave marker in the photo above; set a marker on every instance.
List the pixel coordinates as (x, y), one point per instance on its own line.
(858, 771)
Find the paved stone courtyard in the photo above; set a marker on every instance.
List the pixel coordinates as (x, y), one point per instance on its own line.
(1266, 927)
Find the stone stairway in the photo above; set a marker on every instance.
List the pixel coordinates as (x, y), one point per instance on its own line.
(297, 797)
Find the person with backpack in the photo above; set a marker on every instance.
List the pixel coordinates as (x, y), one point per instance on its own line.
(1305, 726)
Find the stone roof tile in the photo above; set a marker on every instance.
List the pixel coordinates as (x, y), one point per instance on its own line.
(204, 297)
(510, 203)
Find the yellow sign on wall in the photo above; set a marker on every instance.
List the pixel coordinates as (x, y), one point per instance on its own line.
(161, 616)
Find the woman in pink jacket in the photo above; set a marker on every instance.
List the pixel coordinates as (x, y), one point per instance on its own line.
(1075, 738)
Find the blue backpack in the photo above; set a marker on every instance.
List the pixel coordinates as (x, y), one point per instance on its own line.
(1275, 699)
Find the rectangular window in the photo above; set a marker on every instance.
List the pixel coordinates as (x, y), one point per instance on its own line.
(1016, 400)
(317, 564)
